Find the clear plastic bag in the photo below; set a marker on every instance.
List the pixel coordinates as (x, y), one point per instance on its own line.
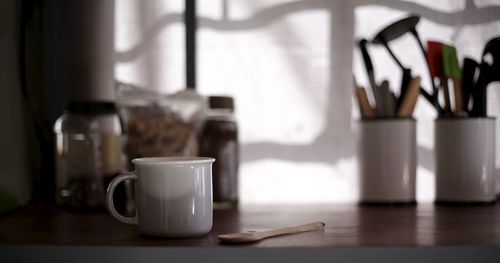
(160, 125)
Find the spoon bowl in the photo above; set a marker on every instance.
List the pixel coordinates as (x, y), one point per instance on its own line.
(396, 29)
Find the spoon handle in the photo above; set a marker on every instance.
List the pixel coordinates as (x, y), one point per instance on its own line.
(292, 230)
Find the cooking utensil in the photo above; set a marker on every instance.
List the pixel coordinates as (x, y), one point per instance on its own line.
(368, 62)
(371, 75)
(388, 104)
(489, 68)
(393, 103)
(435, 58)
(410, 99)
(491, 60)
(435, 63)
(405, 82)
(452, 70)
(396, 30)
(367, 111)
(355, 85)
(479, 106)
(429, 97)
(469, 70)
(259, 235)
(383, 38)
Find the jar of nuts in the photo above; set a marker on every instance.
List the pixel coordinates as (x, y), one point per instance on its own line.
(158, 125)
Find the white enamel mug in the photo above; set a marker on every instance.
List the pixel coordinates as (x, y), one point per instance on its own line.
(387, 160)
(173, 195)
(465, 160)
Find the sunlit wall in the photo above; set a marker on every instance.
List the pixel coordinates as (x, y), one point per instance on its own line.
(289, 66)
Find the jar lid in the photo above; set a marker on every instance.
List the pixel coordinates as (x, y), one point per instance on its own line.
(91, 107)
(221, 102)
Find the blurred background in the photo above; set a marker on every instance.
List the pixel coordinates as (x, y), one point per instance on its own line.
(287, 64)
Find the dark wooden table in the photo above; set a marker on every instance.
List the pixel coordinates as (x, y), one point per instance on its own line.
(347, 226)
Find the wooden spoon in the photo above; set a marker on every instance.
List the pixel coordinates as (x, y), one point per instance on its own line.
(259, 235)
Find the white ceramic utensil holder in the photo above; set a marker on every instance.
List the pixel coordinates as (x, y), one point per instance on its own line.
(387, 161)
(465, 160)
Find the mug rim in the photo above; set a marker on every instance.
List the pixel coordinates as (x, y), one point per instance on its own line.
(387, 119)
(173, 160)
(488, 118)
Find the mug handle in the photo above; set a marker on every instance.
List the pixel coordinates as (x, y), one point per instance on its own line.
(109, 198)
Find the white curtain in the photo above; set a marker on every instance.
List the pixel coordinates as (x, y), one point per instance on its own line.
(289, 65)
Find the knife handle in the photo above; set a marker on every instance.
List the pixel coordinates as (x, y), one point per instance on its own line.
(366, 110)
(457, 87)
(410, 99)
(447, 101)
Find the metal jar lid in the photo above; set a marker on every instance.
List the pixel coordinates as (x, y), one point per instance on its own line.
(91, 107)
(221, 102)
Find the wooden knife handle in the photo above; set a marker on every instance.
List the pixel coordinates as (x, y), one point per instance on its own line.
(366, 110)
(410, 99)
(457, 87)
(447, 101)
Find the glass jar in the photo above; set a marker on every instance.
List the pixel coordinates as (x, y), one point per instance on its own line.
(219, 139)
(88, 155)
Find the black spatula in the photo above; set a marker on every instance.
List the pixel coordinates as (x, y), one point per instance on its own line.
(489, 72)
(469, 69)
